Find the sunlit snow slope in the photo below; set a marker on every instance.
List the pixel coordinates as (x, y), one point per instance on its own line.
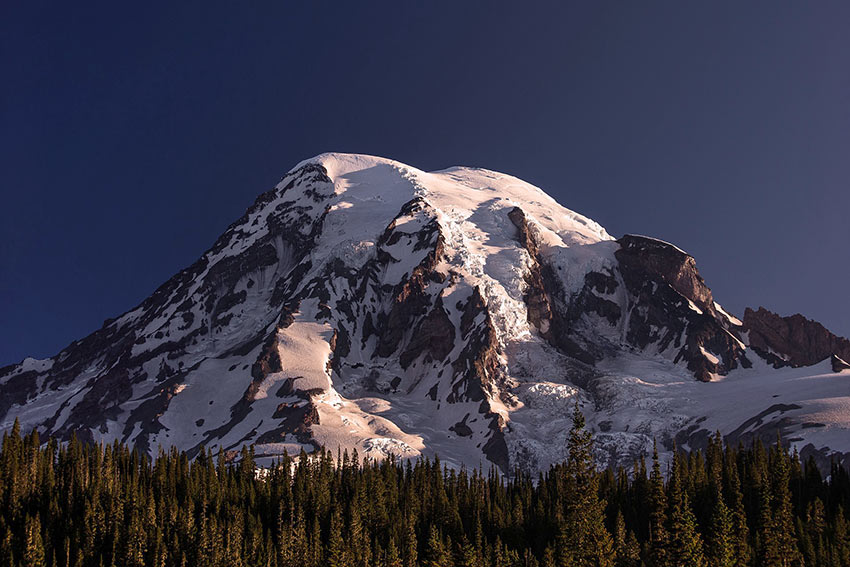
(367, 305)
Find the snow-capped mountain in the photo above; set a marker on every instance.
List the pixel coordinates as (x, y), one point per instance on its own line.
(368, 305)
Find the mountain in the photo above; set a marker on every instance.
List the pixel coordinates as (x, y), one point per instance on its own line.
(367, 305)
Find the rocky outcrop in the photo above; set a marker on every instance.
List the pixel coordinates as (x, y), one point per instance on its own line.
(475, 369)
(547, 306)
(665, 262)
(671, 307)
(792, 341)
(535, 297)
(665, 303)
(839, 364)
(296, 419)
(433, 338)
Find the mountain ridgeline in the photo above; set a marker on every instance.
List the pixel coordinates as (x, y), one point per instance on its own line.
(367, 305)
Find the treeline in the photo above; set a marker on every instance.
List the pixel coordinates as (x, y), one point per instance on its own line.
(81, 505)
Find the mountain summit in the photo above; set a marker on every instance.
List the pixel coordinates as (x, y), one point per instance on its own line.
(365, 304)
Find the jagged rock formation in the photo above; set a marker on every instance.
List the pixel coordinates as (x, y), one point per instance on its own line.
(674, 307)
(368, 305)
(792, 341)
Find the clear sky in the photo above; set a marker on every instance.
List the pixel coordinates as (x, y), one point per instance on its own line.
(131, 135)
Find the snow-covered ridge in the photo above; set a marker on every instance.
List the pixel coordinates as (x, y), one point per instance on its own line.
(366, 304)
(452, 190)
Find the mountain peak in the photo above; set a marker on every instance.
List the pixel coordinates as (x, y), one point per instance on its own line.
(370, 305)
(454, 191)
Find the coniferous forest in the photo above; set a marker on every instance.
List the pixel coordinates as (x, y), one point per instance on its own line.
(82, 505)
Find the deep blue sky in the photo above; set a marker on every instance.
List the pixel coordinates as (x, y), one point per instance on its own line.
(132, 135)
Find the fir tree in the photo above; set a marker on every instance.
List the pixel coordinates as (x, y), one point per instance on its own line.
(411, 553)
(657, 514)
(436, 552)
(393, 559)
(587, 540)
(720, 548)
(336, 555)
(627, 549)
(685, 543)
(34, 555)
(778, 545)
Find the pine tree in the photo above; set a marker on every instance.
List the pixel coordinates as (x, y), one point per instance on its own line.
(7, 558)
(336, 555)
(393, 559)
(357, 540)
(411, 555)
(467, 555)
(34, 545)
(740, 529)
(315, 556)
(587, 540)
(134, 555)
(549, 557)
(657, 514)
(685, 543)
(778, 545)
(111, 506)
(841, 539)
(720, 548)
(815, 532)
(627, 549)
(436, 553)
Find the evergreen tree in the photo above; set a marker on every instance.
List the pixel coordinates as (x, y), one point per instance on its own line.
(657, 514)
(721, 545)
(549, 557)
(34, 555)
(740, 529)
(778, 545)
(436, 552)
(336, 555)
(627, 549)
(393, 558)
(587, 541)
(840, 554)
(467, 555)
(411, 554)
(685, 543)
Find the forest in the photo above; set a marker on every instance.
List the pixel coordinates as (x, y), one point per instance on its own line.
(74, 504)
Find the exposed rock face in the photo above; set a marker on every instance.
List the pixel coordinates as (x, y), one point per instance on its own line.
(839, 364)
(792, 341)
(653, 293)
(672, 307)
(536, 299)
(664, 262)
(546, 301)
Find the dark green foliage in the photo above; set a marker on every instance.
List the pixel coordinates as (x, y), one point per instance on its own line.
(585, 540)
(81, 505)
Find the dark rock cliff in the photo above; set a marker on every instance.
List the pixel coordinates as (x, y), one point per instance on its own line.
(792, 341)
(671, 306)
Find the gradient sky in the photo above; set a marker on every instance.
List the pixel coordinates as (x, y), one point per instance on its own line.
(131, 136)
